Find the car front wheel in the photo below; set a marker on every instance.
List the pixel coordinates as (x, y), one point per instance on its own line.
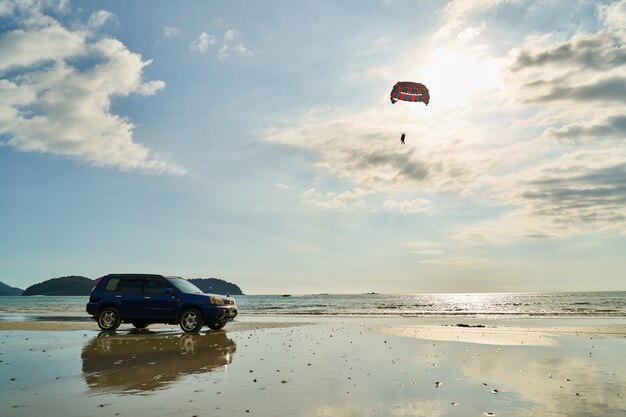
(191, 320)
(109, 319)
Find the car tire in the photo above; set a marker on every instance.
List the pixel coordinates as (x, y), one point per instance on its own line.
(109, 319)
(140, 325)
(217, 325)
(191, 320)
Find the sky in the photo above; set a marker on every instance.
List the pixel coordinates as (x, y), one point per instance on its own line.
(255, 142)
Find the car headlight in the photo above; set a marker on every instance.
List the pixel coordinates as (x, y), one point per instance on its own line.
(217, 300)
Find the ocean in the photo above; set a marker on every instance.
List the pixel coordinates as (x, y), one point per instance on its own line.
(517, 305)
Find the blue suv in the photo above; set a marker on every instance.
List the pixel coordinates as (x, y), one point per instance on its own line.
(142, 299)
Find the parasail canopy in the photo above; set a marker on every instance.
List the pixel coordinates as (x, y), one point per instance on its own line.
(409, 91)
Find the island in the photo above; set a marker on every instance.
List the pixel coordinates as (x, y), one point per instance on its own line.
(216, 286)
(7, 290)
(80, 285)
(70, 285)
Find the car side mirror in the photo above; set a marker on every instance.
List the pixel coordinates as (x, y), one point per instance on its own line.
(169, 291)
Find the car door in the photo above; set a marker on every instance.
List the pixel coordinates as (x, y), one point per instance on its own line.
(131, 297)
(159, 300)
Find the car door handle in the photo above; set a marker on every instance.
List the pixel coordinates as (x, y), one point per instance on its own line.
(146, 297)
(118, 296)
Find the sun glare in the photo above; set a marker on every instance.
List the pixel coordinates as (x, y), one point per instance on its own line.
(453, 78)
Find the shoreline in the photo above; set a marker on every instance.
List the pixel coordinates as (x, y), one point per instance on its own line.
(317, 366)
(491, 330)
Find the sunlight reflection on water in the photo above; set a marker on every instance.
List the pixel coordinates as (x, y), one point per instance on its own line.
(592, 304)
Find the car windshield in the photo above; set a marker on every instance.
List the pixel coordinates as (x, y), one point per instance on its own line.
(184, 286)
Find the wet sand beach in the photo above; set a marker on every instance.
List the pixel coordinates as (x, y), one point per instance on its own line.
(317, 366)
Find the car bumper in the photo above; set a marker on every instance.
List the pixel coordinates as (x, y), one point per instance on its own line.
(92, 308)
(215, 314)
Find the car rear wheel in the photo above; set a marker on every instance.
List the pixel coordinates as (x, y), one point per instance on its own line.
(191, 320)
(109, 319)
(218, 325)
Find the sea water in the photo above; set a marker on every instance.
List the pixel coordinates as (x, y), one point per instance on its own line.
(521, 305)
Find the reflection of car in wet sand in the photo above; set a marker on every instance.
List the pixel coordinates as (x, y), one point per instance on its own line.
(149, 361)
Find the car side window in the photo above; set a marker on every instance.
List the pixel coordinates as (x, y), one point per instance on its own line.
(132, 286)
(155, 287)
(112, 284)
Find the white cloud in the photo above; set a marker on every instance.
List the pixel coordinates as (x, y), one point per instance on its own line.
(348, 200)
(24, 48)
(418, 205)
(576, 86)
(456, 261)
(582, 188)
(614, 15)
(227, 50)
(172, 32)
(514, 226)
(63, 107)
(457, 12)
(588, 69)
(230, 35)
(233, 45)
(429, 252)
(229, 44)
(602, 129)
(33, 11)
(364, 147)
(490, 141)
(203, 42)
(582, 191)
(421, 244)
(100, 18)
(470, 33)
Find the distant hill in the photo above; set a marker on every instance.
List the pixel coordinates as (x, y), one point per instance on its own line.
(77, 285)
(71, 285)
(216, 286)
(8, 290)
